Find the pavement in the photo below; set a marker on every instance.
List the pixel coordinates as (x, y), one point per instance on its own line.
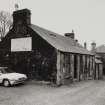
(91, 92)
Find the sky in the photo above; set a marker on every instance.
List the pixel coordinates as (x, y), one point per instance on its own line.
(85, 17)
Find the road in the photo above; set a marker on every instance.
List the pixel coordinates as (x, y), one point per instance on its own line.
(90, 92)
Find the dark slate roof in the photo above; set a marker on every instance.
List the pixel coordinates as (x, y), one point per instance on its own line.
(60, 42)
(100, 49)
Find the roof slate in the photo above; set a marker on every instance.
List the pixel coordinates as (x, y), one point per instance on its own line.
(60, 42)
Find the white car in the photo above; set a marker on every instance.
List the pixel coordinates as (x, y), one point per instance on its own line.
(9, 78)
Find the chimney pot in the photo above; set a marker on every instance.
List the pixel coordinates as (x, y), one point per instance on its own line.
(85, 45)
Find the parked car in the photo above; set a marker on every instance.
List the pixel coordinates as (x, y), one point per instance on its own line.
(9, 78)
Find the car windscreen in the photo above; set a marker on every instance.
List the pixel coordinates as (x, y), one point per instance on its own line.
(7, 71)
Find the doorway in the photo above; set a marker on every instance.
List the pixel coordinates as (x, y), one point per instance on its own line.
(75, 66)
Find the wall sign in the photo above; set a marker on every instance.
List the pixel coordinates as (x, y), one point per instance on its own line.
(21, 44)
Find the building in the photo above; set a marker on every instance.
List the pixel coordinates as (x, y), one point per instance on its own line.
(43, 54)
(98, 68)
(99, 60)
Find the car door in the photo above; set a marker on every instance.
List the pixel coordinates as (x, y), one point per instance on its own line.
(1, 76)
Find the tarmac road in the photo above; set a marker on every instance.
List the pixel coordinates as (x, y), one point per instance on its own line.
(90, 92)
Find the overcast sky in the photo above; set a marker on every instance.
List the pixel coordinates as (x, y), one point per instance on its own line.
(85, 17)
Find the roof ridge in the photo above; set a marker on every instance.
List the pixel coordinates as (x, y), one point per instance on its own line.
(59, 41)
(59, 35)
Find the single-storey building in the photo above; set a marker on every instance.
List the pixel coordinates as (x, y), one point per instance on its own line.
(99, 53)
(98, 68)
(43, 54)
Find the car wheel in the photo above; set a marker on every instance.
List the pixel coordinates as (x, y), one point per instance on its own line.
(6, 83)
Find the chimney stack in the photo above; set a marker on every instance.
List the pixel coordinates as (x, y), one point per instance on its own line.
(93, 47)
(21, 17)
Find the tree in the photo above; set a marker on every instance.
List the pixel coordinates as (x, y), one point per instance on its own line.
(5, 23)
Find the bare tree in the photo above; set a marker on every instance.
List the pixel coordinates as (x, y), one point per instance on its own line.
(5, 23)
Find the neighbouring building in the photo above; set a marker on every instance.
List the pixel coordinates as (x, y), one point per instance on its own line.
(98, 68)
(43, 54)
(99, 53)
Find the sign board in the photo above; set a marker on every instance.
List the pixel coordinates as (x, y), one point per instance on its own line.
(21, 44)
